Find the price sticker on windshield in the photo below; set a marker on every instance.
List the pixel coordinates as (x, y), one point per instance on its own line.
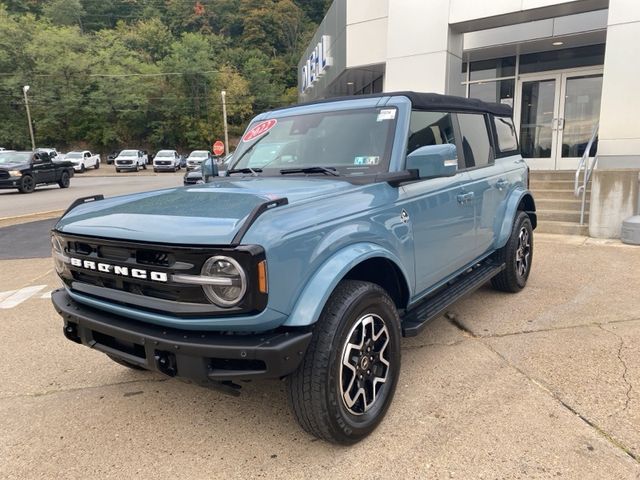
(259, 130)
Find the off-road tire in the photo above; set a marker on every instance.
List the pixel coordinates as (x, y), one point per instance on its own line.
(315, 390)
(124, 363)
(511, 279)
(64, 180)
(27, 184)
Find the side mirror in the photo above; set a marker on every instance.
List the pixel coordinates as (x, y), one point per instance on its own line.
(209, 170)
(433, 161)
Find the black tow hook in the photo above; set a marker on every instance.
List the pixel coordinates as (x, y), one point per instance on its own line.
(166, 363)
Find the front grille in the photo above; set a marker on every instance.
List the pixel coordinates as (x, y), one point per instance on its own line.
(124, 162)
(163, 162)
(4, 174)
(189, 300)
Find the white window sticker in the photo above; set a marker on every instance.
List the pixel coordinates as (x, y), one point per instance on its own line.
(387, 114)
(366, 160)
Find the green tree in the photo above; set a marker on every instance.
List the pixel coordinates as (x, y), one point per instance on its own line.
(64, 12)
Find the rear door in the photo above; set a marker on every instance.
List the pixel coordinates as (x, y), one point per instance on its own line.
(487, 179)
(441, 219)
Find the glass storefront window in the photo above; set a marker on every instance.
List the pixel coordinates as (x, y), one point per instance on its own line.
(562, 59)
(495, 68)
(500, 91)
(581, 114)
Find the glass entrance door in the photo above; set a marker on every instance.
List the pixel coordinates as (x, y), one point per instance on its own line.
(557, 114)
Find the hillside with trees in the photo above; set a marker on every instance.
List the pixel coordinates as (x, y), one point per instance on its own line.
(112, 73)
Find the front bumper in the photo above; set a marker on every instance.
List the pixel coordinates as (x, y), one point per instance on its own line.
(11, 182)
(199, 356)
(165, 167)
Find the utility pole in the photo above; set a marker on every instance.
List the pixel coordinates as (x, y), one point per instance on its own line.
(224, 119)
(25, 89)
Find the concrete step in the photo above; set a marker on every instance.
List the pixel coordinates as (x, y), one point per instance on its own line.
(542, 193)
(563, 228)
(567, 175)
(559, 204)
(561, 216)
(552, 185)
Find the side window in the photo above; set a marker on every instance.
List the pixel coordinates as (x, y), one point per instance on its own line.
(475, 140)
(429, 128)
(505, 134)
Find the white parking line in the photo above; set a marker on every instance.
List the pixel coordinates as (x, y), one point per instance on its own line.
(14, 298)
(47, 294)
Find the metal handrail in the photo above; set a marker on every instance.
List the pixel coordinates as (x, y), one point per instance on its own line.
(588, 166)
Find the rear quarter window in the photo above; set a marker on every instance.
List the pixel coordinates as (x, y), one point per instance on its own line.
(476, 145)
(505, 134)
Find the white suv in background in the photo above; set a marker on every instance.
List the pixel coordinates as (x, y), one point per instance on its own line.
(166, 160)
(131, 160)
(196, 158)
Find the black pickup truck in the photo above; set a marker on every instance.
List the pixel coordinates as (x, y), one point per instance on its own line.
(26, 170)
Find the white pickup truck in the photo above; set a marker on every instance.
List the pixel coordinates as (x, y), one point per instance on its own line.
(83, 159)
(131, 160)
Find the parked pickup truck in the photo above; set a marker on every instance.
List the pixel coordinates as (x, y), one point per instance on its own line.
(358, 221)
(131, 160)
(26, 170)
(83, 159)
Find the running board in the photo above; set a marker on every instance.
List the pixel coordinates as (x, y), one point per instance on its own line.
(418, 317)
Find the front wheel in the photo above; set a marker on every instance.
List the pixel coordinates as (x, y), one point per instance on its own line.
(517, 256)
(82, 168)
(346, 381)
(27, 184)
(64, 180)
(144, 166)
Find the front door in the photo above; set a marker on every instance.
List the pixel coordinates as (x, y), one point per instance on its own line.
(557, 114)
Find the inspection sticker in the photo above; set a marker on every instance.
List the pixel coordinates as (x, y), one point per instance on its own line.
(387, 114)
(366, 160)
(259, 130)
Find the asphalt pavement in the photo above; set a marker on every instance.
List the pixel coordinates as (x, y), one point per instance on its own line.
(541, 384)
(27, 240)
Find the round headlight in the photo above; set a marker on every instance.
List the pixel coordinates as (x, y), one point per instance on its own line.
(57, 252)
(231, 282)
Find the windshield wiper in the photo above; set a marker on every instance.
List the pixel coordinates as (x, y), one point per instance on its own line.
(325, 170)
(252, 171)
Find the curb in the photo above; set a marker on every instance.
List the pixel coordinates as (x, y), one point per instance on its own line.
(28, 217)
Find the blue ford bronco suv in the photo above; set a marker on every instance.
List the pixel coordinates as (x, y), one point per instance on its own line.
(340, 227)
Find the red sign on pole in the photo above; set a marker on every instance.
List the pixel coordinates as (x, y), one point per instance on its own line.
(218, 148)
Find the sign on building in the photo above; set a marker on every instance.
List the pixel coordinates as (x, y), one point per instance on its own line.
(317, 63)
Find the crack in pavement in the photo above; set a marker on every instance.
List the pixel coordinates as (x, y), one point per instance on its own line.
(434, 344)
(547, 389)
(78, 389)
(624, 366)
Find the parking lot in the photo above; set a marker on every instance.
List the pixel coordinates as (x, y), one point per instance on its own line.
(536, 385)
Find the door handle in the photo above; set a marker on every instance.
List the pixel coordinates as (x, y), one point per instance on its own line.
(501, 184)
(465, 198)
(561, 124)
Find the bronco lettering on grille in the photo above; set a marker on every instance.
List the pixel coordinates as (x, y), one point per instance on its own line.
(138, 273)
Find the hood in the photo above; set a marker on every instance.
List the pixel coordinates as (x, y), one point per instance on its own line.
(14, 166)
(207, 214)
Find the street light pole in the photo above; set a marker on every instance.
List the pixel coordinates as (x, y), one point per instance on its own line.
(25, 89)
(224, 119)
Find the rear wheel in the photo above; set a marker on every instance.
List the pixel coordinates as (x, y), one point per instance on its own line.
(517, 256)
(27, 184)
(346, 381)
(97, 165)
(64, 180)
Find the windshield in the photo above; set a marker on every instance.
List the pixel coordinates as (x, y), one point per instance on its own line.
(199, 154)
(128, 153)
(165, 153)
(15, 157)
(74, 155)
(350, 141)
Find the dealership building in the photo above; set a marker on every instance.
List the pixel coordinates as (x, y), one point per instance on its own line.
(569, 69)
